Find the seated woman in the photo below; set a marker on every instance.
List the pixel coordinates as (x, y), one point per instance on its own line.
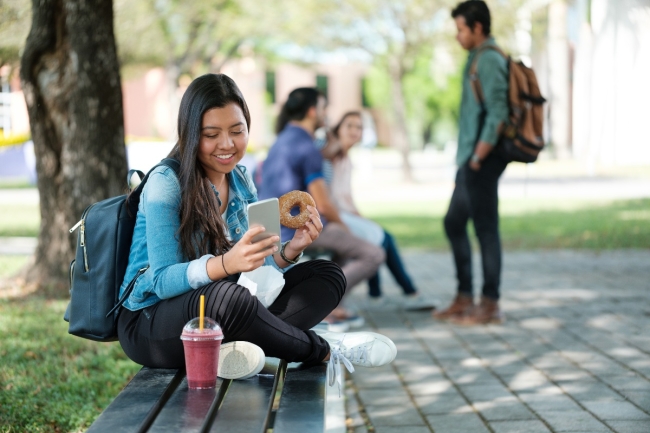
(192, 237)
(344, 136)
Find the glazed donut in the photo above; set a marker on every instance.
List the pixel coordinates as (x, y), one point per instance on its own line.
(291, 200)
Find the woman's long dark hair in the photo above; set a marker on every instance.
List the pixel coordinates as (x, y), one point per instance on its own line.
(300, 100)
(202, 230)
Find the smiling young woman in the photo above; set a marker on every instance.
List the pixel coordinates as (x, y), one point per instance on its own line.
(192, 238)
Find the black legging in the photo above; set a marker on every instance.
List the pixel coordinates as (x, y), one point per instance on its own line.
(312, 289)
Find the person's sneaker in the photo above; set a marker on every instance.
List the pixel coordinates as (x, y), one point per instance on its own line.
(418, 303)
(365, 349)
(240, 360)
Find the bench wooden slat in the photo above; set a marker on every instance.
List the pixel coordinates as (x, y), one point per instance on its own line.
(186, 410)
(248, 402)
(158, 400)
(136, 406)
(300, 411)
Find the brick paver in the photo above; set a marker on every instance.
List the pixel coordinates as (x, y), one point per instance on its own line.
(573, 355)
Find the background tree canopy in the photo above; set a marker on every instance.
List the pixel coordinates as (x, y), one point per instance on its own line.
(71, 62)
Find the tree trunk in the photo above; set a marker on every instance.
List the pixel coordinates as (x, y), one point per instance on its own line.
(400, 133)
(70, 77)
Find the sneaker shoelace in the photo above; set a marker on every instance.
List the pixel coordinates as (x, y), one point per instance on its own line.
(338, 356)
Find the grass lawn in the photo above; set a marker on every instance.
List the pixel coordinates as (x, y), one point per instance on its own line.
(51, 381)
(528, 224)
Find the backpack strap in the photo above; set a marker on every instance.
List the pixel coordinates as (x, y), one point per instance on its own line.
(474, 81)
(130, 175)
(133, 199)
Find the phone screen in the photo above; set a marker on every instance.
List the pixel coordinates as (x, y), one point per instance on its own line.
(265, 213)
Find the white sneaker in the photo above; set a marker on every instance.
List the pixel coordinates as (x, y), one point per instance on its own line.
(240, 360)
(365, 349)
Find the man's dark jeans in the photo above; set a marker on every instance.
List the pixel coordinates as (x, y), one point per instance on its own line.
(476, 197)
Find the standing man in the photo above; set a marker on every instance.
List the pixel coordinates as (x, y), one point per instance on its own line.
(295, 163)
(475, 196)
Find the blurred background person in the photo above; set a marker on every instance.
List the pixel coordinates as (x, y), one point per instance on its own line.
(295, 163)
(337, 169)
(475, 195)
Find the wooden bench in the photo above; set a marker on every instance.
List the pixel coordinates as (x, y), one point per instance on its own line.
(283, 397)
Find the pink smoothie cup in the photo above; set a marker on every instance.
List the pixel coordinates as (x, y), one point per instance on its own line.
(201, 352)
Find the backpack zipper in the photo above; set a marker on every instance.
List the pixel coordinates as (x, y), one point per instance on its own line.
(82, 243)
(82, 234)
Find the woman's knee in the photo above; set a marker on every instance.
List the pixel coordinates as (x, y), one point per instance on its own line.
(377, 255)
(228, 302)
(332, 273)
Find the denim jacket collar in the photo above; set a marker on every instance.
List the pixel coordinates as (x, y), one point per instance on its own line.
(238, 185)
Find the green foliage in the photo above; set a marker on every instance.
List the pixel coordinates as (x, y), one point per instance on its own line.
(198, 37)
(51, 381)
(376, 86)
(525, 225)
(432, 97)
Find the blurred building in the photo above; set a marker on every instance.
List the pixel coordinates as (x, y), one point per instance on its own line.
(149, 111)
(610, 81)
(151, 107)
(592, 58)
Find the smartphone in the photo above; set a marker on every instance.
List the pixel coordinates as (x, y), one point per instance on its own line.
(265, 213)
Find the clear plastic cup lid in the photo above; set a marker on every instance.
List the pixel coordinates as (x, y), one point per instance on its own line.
(211, 330)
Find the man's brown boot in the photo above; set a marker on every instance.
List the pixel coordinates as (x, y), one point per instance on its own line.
(462, 305)
(486, 312)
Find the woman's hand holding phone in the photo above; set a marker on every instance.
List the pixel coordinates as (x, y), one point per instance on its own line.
(246, 255)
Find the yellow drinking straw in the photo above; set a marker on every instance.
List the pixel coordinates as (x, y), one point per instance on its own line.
(201, 312)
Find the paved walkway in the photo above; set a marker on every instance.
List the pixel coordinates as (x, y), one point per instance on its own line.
(573, 356)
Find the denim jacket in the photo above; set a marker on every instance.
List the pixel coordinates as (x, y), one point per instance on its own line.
(155, 244)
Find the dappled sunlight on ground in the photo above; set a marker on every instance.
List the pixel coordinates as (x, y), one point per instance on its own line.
(573, 355)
